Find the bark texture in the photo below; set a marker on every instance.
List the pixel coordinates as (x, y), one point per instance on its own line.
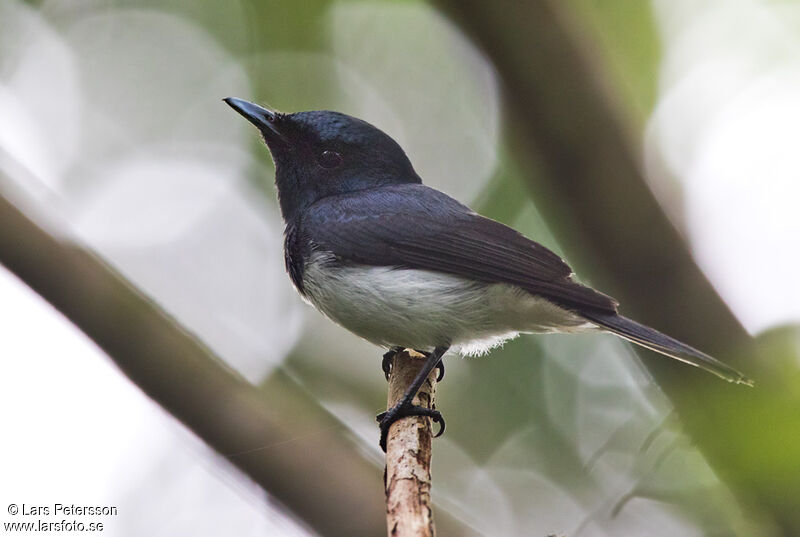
(409, 510)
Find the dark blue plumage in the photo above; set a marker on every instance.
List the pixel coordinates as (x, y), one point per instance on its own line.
(296, 249)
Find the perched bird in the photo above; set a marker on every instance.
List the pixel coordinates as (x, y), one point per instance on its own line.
(403, 265)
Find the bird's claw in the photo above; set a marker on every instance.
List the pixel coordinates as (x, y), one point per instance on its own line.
(386, 419)
(386, 364)
(440, 367)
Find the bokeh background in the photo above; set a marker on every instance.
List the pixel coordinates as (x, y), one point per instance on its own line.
(113, 136)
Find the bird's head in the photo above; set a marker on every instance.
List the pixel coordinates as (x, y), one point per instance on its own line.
(321, 153)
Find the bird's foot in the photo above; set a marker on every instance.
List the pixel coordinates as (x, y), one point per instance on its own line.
(386, 363)
(386, 419)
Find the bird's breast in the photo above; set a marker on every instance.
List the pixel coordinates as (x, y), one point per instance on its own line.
(421, 309)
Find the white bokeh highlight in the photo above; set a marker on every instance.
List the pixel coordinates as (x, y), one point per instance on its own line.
(438, 94)
(725, 128)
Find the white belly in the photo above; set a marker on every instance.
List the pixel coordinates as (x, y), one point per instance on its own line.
(423, 309)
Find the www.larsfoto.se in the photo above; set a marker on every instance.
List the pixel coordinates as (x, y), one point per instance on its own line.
(44, 526)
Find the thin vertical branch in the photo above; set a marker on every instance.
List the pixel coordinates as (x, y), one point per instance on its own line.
(409, 510)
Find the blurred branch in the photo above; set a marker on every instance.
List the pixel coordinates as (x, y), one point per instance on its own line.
(409, 510)
(567, 132)
(285, 443)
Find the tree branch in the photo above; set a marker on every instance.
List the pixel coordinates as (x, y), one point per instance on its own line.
(409, 511)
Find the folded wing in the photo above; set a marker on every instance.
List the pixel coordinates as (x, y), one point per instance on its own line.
(413, 226)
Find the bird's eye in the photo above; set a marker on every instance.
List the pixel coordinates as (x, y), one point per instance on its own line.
(329, 159)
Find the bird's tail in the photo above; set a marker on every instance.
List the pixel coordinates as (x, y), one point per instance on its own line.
(656, 341)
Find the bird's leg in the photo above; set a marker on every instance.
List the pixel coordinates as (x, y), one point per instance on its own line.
(386, 364)
(405, 407)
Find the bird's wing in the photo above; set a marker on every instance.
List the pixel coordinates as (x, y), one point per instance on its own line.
(414, 226)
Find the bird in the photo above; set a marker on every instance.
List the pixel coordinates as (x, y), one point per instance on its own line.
(405, 266)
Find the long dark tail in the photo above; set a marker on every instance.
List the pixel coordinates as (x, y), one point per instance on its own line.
(656, 341)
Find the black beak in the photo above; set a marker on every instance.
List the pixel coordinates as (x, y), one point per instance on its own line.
(267, 121)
